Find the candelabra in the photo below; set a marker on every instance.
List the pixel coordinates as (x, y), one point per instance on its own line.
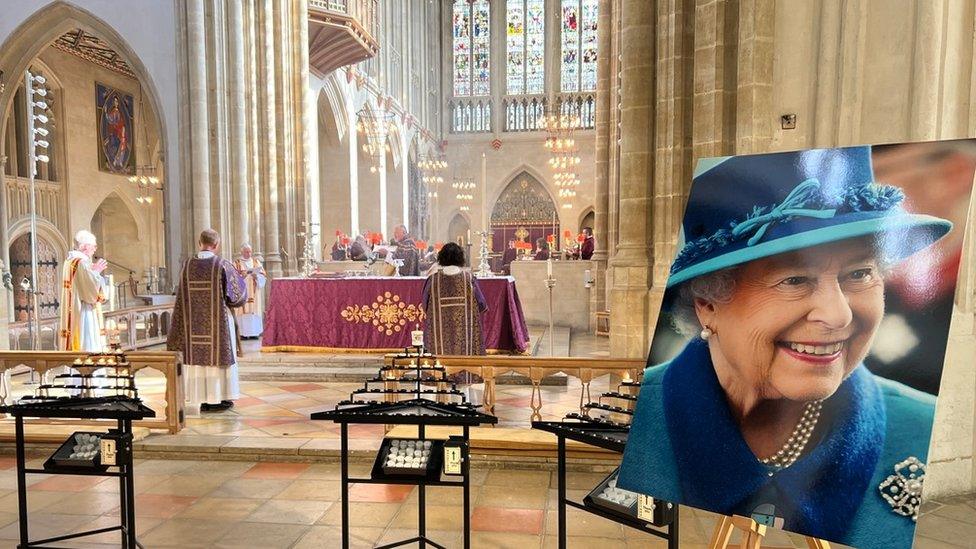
(484, 269)
(308, 249)
(37, 108)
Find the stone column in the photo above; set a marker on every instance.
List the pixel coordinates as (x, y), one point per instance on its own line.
(632, 262)
(352, 136)
(598, 301)
(404, 145)
(196, 25)
(272, 245)
(254, 133)
(308, 136)
(239, 173)
(381, 171)
(284, 104)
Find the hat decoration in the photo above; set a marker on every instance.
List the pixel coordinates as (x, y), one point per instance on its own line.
(749, 207)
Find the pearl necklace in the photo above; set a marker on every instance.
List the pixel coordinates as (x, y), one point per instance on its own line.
(794, 446)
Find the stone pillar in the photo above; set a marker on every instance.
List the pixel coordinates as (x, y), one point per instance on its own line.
(404, 145)
(598, 300)
(254, 135)
(284, 104)
(308, 136)
(381, 171)
(632, 262)
(196, 25)
(352, 136)
(239, 173)
(272, 256)
(754, 75)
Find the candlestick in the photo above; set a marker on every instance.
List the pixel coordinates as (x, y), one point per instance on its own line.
(549, 267)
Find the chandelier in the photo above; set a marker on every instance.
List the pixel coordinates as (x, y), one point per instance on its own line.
(375, 127)
(465, 193)
(564, 153)
(146, 182)
(432, 166)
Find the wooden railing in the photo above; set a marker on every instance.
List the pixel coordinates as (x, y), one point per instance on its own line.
(169, 364)
(536, 369)
(139, 327)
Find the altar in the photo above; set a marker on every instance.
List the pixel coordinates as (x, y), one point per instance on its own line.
(376, 314)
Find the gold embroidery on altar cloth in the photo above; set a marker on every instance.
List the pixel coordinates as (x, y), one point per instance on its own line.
(388, 313)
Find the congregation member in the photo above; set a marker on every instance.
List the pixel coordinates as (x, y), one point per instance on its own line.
(508, 257)
(360, 248)
(83, 290)
(250, 317)
(541, 249)
(338, 249)
(203, 326)
(588, 245)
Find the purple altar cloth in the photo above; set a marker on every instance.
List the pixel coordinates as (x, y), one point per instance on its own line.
(376, 314)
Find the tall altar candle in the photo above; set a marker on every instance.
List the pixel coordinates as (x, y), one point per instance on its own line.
(484, 192)
(549, 266)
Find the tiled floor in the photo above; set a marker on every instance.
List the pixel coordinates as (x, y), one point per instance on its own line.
(288, 505)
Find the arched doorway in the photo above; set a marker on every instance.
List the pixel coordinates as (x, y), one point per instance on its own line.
(118, 238)
(48, 276)
(523, 212)
(588, 219)
(459, 230)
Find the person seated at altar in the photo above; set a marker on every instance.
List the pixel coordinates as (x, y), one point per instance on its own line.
(250, 317)
(541, 249)
(360, 248)
(203, 327)
(428, 261)
(339, 247)
(453, 304)
(588, 245)
(508, 257)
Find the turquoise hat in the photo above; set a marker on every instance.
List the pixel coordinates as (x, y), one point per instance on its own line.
(743, 208)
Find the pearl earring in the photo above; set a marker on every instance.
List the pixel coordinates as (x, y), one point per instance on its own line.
(706, 333)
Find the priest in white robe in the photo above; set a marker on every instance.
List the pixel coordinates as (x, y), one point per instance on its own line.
(203, 326)
(83, 290)
(250, 317)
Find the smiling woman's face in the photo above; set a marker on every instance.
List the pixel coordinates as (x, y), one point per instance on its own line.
(798, 323)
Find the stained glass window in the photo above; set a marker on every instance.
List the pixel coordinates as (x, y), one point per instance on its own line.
(471, 47)
(579, 45)
(526, 36)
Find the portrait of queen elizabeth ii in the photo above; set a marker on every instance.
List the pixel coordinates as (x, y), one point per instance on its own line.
(767, 410)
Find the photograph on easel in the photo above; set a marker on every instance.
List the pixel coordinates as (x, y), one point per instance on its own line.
(793, 373)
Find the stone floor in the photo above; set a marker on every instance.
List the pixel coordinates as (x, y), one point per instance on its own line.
(183, 503)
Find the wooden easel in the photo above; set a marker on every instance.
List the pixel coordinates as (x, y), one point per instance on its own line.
(752, 534)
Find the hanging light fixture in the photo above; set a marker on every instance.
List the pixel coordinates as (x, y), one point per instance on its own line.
(465, 193)
(375, 126)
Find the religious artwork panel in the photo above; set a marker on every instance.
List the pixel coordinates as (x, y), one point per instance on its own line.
(795, 366)
(116, 146)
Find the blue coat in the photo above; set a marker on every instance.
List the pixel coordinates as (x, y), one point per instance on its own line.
(685, 447)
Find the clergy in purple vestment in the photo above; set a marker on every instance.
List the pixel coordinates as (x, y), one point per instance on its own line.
(453, 303)
(203, 327)
(406, 249)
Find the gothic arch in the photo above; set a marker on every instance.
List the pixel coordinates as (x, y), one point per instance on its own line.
(459, 226)
(586, 219)
(540, 176)
(333, 108)
(524, 200)
(37, 32)
(118, 233)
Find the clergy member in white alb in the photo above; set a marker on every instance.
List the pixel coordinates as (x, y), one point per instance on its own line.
(83, 290)
(203, 326)
(250, 317)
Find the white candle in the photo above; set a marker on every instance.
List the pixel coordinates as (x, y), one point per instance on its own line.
(586, 275)
(549, 267)
(484, 192)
